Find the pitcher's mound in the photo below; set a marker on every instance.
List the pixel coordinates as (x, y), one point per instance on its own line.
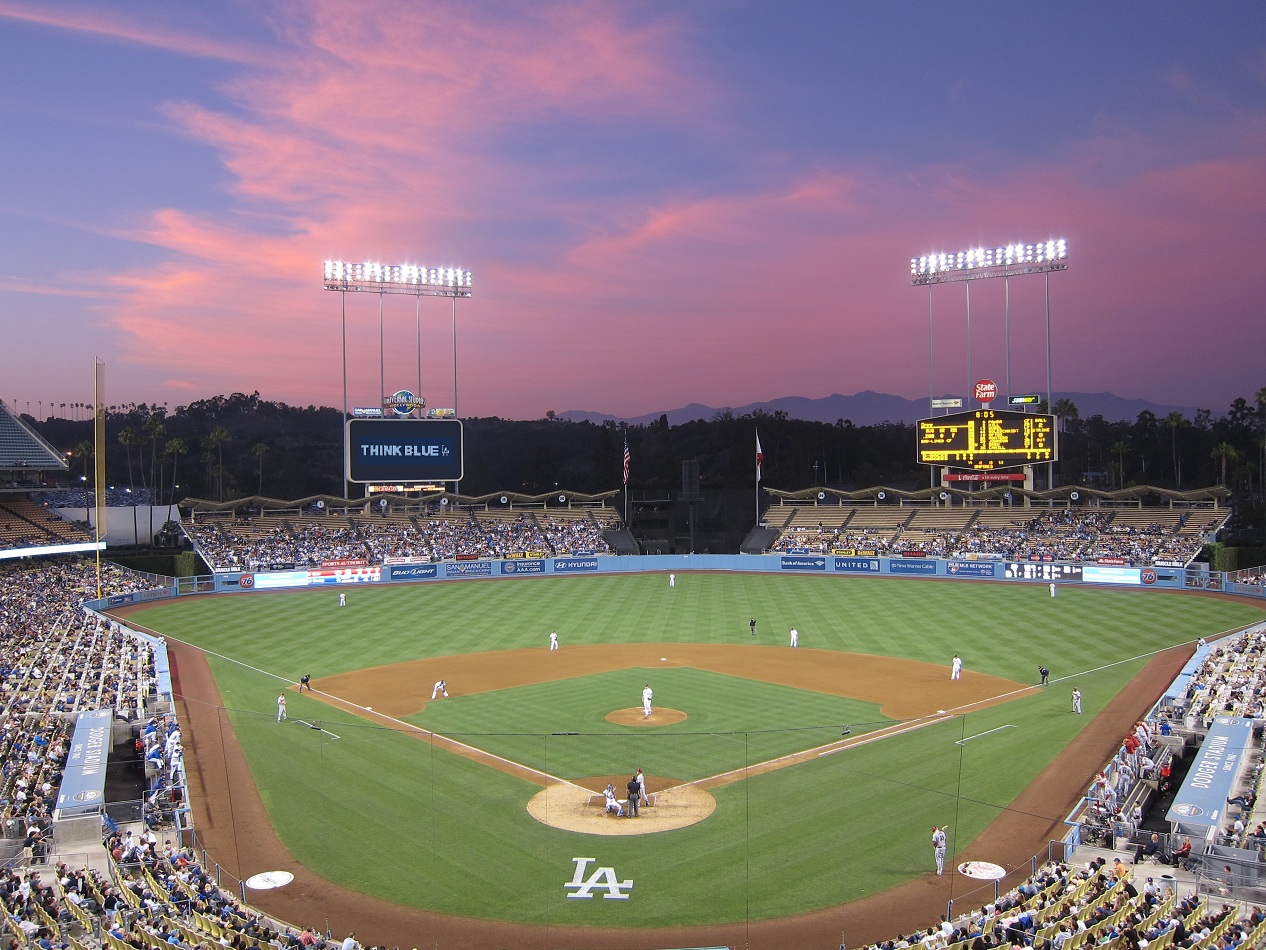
(634, 717)
(573, 808)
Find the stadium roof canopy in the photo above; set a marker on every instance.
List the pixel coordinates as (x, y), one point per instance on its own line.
(1134, 496)
(506, 499)
(22, 450)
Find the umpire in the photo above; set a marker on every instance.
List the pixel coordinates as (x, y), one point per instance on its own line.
(634, 789)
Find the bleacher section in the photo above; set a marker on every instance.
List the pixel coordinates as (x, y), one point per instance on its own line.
(1138, 536)
(274, 541)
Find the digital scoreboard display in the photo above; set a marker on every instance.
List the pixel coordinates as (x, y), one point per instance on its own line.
(403, 451)
(987, 439)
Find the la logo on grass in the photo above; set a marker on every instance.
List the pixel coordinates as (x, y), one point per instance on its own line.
(600, 878)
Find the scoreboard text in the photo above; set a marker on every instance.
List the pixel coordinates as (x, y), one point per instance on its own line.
(987, 439)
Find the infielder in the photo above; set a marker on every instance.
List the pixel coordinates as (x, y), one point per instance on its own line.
(795, 637)
(281, 707)
(647, 695)
(553, 639)
(641, 784)
(1076, 700)
(440, 689)
(956, 668)
(938, 848)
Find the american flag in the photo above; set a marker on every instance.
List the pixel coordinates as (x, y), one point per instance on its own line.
(760, 456)
(627, 458)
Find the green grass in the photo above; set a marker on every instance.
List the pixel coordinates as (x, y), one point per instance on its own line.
(391, 816)
(732, 723)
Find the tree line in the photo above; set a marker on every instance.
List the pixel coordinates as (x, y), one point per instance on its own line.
(238, 445)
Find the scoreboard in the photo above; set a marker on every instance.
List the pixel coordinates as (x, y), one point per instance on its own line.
(987, 439)
(403, 450)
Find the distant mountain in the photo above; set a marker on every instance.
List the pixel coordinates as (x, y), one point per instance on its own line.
(871, 408)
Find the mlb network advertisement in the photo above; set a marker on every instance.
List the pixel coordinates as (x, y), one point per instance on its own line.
(404, 450)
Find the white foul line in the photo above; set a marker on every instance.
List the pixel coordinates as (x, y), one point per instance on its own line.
(1009, 725)
(316, 727)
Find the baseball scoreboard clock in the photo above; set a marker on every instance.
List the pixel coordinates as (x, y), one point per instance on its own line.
(404, 450)
(987, 439)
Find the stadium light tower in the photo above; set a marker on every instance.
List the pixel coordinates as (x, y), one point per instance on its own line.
(413, 280)
(1005, 261)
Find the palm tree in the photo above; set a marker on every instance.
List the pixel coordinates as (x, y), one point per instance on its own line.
(1175, 421)
(259, 450)
(129, 437)
(84, 451)
(153, 430)
(1260, 399)
(218, 436)
(1224, 451)
(174, 449)
(1119, 448)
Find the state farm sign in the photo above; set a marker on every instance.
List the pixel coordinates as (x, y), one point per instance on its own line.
(986, 390)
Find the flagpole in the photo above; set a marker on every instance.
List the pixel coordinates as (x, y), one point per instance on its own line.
(760, 457)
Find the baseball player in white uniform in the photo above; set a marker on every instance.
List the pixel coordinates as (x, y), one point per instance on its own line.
(672, 580)
(440, 689)
(1052, 588)
(795, 637)
(553, 639)
(641, 784)
(647, 695)
(956, 668)
(342, 600)
(613, 803)
(938, 848)
(281, 707)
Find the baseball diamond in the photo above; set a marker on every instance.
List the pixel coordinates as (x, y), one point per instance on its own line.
(804, 778)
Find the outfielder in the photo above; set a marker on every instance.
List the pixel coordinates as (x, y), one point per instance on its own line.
(938, 848)
(440, 689)
(342, 600)
(647, 695)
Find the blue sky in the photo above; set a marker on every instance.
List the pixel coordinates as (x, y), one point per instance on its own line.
(661, 203)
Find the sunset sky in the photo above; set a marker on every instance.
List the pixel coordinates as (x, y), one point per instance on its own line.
(708, 201)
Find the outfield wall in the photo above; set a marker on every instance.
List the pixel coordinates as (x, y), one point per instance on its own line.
(997, 570)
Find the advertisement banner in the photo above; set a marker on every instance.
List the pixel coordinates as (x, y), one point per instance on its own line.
(412, 572)
(572, 565)
(969, 568)
(1093, 574)
(857, 565)
(802, 563)
(525, 566)
(896, 566)
(273, 580)
(468, 569)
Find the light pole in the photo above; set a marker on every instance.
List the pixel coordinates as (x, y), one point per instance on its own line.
(1007, 261)
(413, 280)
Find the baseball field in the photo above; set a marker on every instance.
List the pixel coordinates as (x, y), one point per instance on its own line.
(788, 783)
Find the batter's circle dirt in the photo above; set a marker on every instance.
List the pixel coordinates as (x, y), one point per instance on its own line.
(235, 831)
(574, 806)
(635, 717)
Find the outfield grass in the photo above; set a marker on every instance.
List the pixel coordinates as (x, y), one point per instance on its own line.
(389, 815)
